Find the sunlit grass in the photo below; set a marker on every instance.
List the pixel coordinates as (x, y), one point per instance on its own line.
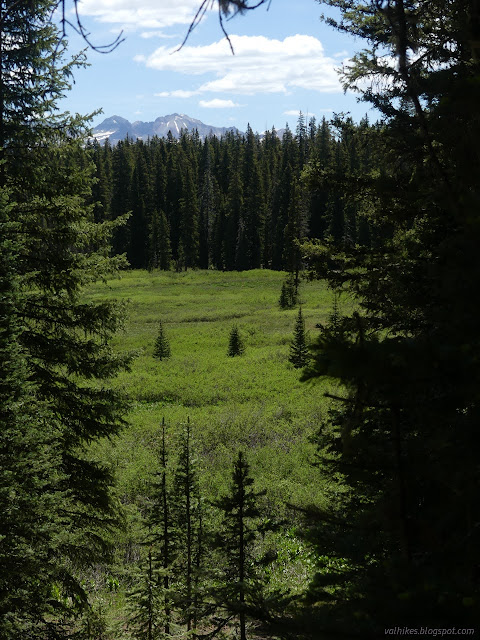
(255, 401)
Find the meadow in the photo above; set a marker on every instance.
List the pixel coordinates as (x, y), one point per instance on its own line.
(253, 402)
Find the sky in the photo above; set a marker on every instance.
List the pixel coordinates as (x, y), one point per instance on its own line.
(285, 61)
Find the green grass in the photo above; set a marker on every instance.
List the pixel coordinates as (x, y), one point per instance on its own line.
(255, 401)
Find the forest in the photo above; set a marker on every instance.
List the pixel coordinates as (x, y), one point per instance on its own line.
(297, 462)
(233, 203)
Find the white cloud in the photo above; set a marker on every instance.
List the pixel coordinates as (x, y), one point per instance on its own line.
(157, 34)
(217, 103)
(141, 14)
(177, 93)
(296, 112)
(260, 65)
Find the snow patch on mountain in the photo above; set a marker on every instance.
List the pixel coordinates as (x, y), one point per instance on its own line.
(117, 128)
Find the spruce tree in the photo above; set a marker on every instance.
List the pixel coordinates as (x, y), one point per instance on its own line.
(405, 358)
(189, 221)
(162, 534)
(161, 349)
(63, 341)
(236, 346)
(288, 296)
(160, 252)
(188, 521)
(299, 354)
(295, 231)
(241, 521)
(30, 494)
(144, 600)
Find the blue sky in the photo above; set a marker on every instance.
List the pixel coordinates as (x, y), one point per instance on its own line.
(285, 61)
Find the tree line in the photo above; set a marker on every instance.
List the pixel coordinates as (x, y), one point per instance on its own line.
(231, 203)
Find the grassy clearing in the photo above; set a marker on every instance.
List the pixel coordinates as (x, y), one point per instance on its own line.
(255, 401)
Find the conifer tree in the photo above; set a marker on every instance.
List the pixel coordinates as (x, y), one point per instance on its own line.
(295, 231)
(236, 346)
(162, 534)
(288, 297)
(241, 520)
(161, 349)
(30, 494)
(144, 601)
(299, 349)
(251, 250)
(187, 513)
(160, 252)
(62, 340)
(416, 324)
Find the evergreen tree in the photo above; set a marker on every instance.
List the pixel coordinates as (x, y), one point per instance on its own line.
(189, 222)
(162, 535)
(161, 349)
(405, 358)
(141, 203)
(288, 296)
(250, 245)
(241, 521)
(160, 252)
(144, 601)
(299, 349)
(62, 341)
(236, 346)
(29, 493)
(295, 231)
(187, 514)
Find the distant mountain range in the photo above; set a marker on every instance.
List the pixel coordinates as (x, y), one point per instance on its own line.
(117, 128)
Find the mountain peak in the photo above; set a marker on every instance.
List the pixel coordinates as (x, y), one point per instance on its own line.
(116, 128)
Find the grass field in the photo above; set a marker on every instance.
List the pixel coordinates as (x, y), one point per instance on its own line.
(254, 402)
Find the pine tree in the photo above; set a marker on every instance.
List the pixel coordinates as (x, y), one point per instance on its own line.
(160, 252)
(63, 341)
(251, 250)
(189, 222)
(236, 346)
(144, 601)
(162, 535)
(241, 521)
(30, 494)
(187, 514)
(295, 231)
(299, 354)
(405, 358)
(288, 296)
(161, 349)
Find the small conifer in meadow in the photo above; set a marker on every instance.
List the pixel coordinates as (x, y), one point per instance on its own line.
(162, 346)
(235, 344)
(288, 295)
(298, 349)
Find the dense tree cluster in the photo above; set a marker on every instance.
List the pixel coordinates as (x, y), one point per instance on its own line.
(202, 567)
(399, 446)
(237, 202)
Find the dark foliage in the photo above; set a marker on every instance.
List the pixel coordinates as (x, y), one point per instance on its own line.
(161, 349)
(236, 346)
